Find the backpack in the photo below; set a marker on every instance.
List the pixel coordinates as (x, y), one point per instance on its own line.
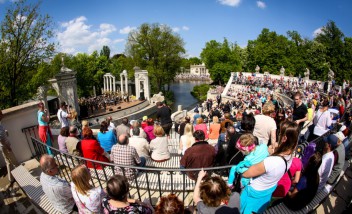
(308, 152)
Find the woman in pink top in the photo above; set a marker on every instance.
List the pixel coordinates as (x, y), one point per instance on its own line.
(149, 129)
(201, 126)
(214, 131)
(290, 178)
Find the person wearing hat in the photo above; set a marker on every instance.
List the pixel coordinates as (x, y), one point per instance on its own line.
(339, 152)
(196, 115)
(63, 115)
(144, 122)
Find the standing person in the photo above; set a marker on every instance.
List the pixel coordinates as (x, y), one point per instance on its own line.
(44, 128)
(63, 115)
(111, 126)
(164, 116)
(322, 121)
(7, 153)
(56, 189)
(300, 111)
(265, 125)
(256, 196)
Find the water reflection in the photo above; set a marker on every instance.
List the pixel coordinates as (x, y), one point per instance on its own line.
(182, 92)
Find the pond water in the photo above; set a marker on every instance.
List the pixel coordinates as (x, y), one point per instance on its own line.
(182, 93)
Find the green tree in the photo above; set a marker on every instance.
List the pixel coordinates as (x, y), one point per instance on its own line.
(221, 59)
(332, 38)
(105, 52)
(158, 49)
(25, 43)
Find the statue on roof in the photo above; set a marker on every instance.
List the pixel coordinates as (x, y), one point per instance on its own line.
(331, 75)
(257, 69)
(282, 71)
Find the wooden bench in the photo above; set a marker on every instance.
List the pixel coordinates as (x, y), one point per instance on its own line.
(317, 200)
(32, 188)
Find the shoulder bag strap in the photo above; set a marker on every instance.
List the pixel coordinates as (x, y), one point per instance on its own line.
(83, 203)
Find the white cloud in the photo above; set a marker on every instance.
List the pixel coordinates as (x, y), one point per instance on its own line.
(107, 29)
(317, 32)
(118, 41)
(175, 29)
(185, 28)
(77, 36)
(261, 4)
(232, 3)
(127, 30)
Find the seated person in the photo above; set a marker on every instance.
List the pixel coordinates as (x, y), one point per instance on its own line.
(117, 201)
(91, 149)
(87, 197)
(139, 143)
(73, 142)
(212, 194)
(170, 204)
(339, 153)
(56, 189)
(199, 155)
(124, 154)
(307, 187)
(159, 145)
(106, 137)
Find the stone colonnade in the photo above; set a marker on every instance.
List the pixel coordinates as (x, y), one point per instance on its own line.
(109, 83)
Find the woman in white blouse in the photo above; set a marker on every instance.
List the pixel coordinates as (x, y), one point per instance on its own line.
(322, 121)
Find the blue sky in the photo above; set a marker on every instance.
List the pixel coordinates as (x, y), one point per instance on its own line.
(87, 25)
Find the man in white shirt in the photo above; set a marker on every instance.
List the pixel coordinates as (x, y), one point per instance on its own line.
(56, 189)
(62, 115)
(139, 143)
(265, 126)
(326, 164)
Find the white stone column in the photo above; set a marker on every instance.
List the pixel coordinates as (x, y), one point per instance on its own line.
(126, 84)
(121, 84)
(110, 81)
(104, 78)
(114, 83)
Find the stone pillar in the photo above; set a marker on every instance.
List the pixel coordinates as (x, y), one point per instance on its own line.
(121, 84)
(126, 83)
(65, 84)
(104, 78)
(114, 84)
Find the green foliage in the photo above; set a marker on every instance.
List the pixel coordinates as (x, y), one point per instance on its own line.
(24, 46)
(221, 59)
(105, 52)
(158, 49)
(200, 91)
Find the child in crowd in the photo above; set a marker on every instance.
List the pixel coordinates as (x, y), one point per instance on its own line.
(248, 145)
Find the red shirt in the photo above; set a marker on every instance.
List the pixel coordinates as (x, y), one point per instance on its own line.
(91, 149)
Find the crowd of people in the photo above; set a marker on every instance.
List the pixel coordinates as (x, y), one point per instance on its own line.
(254, 133)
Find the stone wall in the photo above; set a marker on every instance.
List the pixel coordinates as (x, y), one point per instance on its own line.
(15, 119)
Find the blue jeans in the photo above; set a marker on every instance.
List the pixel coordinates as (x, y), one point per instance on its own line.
(143, 162)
